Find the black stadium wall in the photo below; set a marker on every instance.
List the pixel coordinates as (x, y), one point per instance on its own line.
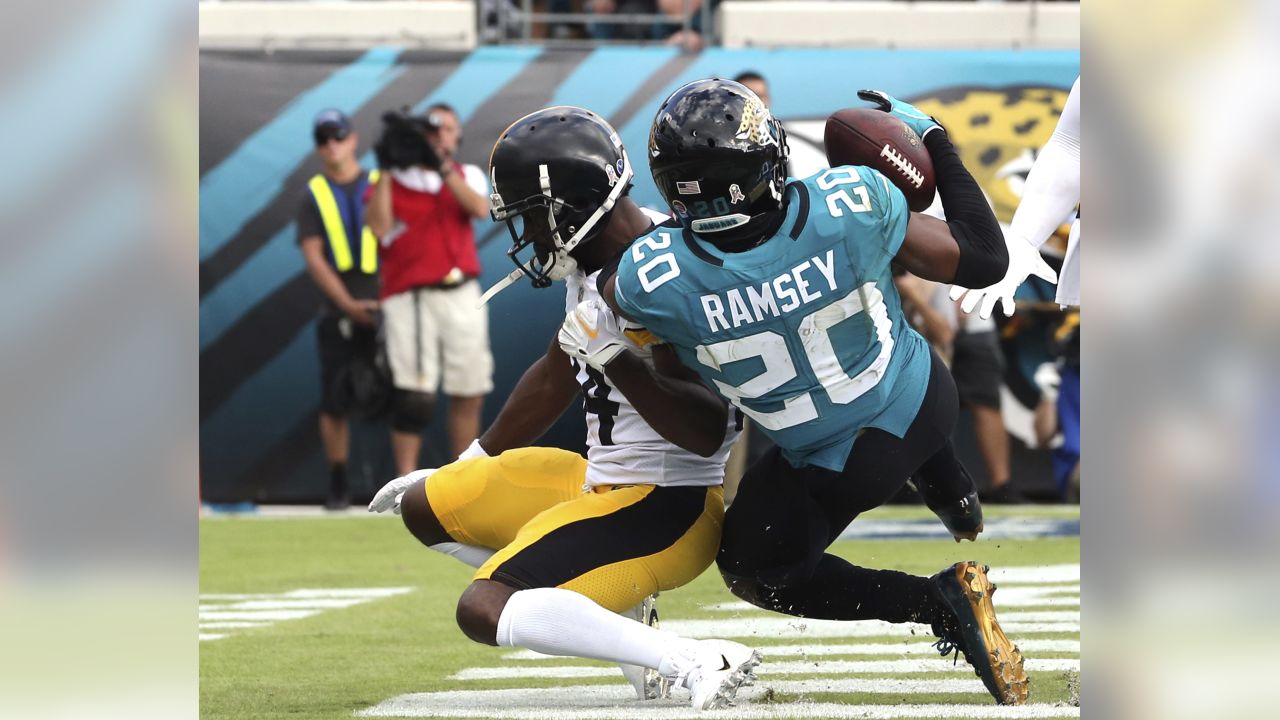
(259, 370)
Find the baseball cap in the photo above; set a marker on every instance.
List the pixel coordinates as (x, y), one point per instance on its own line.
(331, 123)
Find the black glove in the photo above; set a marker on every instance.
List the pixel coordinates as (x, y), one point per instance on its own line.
(403, 143)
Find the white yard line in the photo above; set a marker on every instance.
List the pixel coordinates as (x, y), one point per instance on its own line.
(368, 593)
(783, 627)
(901, 648)
(804, 667)
(1011, 597)
(288, 604)
(221, 611)
(1036, 574)
(617, 702)
(305, 593)
(274, 615)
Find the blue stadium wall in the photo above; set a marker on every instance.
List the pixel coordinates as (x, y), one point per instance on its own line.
(259, 384)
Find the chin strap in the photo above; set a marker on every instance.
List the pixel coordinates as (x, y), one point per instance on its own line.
(499, 286)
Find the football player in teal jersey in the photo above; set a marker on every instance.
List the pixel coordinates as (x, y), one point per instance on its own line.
(779, 294)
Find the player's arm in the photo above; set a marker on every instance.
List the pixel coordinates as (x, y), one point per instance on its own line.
(671, 399)
(541, 396)
(1051, 191)
(609, 293)
(968, 248)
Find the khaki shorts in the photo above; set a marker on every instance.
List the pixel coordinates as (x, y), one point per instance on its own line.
(427, 328)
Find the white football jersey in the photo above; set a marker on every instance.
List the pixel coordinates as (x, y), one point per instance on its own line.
(621, 447)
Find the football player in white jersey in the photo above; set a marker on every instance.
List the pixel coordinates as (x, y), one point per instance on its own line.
(564, 545)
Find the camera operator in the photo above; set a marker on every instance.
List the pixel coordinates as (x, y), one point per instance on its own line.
(421, 208)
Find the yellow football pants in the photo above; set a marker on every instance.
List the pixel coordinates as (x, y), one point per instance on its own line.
(615, 545)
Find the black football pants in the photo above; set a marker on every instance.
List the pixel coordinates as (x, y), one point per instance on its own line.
(776, 532)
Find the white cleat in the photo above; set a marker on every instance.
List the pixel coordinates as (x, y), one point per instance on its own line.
(712, 671)
(648, 683)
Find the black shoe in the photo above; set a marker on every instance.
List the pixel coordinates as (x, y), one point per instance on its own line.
(962, 517)
(1005, 494)
(969, 626)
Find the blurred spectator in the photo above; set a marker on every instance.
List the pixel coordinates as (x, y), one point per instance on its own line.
(673, 30)
(1057, 416)
(422, 210)
(342, 258)
(971, 346)
(619, 31)
(756, 83)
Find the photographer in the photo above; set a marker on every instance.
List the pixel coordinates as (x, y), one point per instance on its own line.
(421, 209)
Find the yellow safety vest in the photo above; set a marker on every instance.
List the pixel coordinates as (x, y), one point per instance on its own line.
(337, 230)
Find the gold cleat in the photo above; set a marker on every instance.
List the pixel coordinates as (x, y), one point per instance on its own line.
(972, 629)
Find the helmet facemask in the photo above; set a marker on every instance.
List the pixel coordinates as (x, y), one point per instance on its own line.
(553, 227)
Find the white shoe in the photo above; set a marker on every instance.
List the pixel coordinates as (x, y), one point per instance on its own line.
(648, 683)
(712, 671)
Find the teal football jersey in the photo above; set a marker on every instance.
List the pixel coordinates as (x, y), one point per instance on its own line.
(805, 332)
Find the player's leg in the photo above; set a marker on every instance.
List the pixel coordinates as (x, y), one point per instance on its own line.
(955, 603)
(776, 533)
(943, 481)
(575, 566)
(411, 351)
(335, 353)
(472, 507)
(466, 359)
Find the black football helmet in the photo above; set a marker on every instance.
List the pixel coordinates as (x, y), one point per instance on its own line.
(557, 174)
(719, 158)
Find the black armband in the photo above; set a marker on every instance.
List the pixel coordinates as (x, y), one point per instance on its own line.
(983, 255)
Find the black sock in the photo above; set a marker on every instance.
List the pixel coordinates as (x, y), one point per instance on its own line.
(337, 479)
(840, 590)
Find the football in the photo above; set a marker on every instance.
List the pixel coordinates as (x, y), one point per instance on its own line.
(862, 136)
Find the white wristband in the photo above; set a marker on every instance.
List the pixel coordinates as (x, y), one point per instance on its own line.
(473, 451)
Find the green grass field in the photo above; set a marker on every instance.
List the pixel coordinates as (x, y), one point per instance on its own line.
(342, 660)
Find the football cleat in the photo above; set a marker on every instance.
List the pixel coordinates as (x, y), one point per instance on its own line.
(712, 671)
(648, 682)
(970, 627)
(962, 517)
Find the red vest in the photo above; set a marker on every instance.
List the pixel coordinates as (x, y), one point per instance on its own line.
(435, 238)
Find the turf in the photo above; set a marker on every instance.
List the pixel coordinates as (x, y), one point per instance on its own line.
(348, 659)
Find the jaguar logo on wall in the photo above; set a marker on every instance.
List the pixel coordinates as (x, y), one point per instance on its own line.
(998, 132)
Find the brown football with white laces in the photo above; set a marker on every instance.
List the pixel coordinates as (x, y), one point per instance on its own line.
(862, 136)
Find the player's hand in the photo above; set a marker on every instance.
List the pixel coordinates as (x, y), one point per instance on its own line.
(388, 498)
(592, 333)
(911, 115)
(1024, 261)
(1048, 379)
(362, 312)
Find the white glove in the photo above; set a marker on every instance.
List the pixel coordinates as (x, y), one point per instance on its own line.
(1048, 379)
(388, 498)
(1024, 260)
(592, 333)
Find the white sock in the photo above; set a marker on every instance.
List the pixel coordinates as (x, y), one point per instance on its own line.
(473, 555)
(555, 621)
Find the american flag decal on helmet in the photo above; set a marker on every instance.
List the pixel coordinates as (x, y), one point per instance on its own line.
(688, 187)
